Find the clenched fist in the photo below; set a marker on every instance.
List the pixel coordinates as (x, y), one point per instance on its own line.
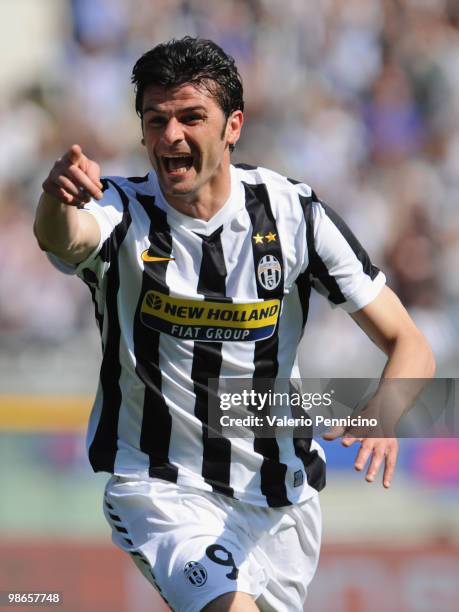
(74, 179)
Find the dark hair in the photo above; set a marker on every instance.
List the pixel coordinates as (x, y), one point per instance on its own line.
(194, 61)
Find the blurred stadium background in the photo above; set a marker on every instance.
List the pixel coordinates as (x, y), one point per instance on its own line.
(358, 98)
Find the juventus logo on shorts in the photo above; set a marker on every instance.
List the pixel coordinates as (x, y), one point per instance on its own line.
(195, 573)
(269, 272)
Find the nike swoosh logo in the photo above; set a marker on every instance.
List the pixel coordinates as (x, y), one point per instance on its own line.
(146, 257)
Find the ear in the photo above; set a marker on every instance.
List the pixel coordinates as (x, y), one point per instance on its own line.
(142, 140)
(234, 126)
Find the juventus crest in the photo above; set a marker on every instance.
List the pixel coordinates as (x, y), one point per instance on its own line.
(195, 573)
(269, 272)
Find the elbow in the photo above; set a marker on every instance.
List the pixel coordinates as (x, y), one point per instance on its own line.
(417, 352)
(424, 355)
(431, 365)
(413, 355)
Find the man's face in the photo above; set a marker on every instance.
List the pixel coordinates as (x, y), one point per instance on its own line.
(187, 136)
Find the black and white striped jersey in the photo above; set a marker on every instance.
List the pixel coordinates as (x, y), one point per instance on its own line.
(180, 301)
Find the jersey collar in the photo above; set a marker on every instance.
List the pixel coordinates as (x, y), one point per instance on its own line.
(229, 210)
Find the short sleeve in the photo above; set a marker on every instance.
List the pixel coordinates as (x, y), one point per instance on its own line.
(108, 212)
(339, 267)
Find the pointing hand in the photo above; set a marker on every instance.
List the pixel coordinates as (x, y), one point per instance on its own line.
(74, 179)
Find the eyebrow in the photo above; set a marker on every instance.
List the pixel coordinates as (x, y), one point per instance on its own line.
(155, 109)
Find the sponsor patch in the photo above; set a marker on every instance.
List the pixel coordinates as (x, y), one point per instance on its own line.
(209, 321)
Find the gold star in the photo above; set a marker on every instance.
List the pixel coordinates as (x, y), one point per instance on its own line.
(271, 237)
(258, 239)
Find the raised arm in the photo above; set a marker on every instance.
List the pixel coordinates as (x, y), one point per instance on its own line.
(61, 226)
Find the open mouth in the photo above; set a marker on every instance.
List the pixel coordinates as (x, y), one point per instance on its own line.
(177, 164)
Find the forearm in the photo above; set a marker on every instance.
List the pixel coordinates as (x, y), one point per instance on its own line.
(56, 225)
(410, 361)
(410, 364)
(64, 230)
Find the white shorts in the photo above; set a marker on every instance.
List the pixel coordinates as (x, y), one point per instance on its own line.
(194, 546)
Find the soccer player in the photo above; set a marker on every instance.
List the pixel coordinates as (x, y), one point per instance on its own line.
(202, 270)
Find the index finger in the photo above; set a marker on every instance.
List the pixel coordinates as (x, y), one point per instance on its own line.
(389, 467)
(74, 154)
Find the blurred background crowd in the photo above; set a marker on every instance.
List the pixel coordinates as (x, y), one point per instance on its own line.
(358, 98)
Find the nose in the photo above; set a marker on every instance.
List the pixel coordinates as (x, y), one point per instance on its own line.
(173, 131)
